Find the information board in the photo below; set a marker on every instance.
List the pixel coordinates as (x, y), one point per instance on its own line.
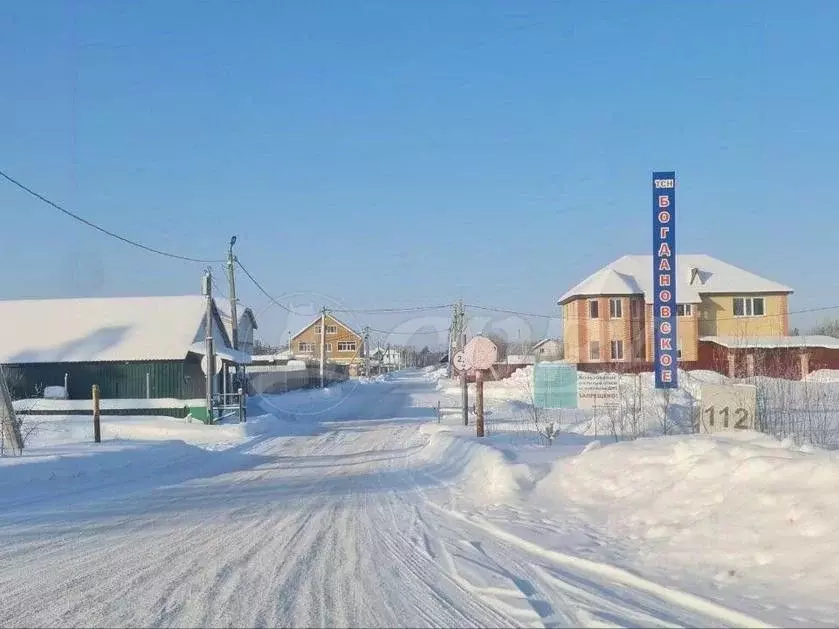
(554, 385)
(598, 390)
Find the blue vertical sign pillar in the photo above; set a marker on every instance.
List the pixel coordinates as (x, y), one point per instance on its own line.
(664, 280)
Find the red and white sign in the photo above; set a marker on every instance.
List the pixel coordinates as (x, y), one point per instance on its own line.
(481, 353)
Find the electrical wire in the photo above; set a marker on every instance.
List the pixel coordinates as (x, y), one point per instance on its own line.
(391, 310)
(84, 221)
(261, 289)
(512, 312)
(576, 318)
(218, 288)
(406, 333)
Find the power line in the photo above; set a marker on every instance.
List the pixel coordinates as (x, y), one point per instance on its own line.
(407, 333)
(218, 289)
(84, 221)
(261, 289)
(391, 310)
(577, 318)
(513, 312)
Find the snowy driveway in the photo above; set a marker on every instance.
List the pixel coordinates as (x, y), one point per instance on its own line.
(361, 522)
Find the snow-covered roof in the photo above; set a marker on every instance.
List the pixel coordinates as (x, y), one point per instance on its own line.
(544, 341)
(696, 274)
(773, 342)
(103, 329)
(242, 311)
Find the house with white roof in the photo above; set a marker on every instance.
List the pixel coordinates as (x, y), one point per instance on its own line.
(132, 347)
(722, 310)
(548, 349)
(246, 324)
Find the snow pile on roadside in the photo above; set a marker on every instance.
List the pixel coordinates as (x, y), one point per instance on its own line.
(823, 375)
(754, 505)
(40, 404)
(47, 431)
(480, 472)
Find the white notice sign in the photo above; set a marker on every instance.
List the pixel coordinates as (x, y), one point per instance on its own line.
(598, 390)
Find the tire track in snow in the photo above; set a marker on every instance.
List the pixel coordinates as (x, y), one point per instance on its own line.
(612, 577)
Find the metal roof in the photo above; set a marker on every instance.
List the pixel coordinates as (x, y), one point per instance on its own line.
(696, 274)
(104, 329)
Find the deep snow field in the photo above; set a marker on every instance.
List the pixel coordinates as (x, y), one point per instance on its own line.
(357, 506)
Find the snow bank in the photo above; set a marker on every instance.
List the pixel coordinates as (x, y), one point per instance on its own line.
(823, 375)
(479, 471)
(752, 504)
(51, 430)
(55, 393)
(35, 404)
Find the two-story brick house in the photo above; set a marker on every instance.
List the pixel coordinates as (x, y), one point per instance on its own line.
(608, 316)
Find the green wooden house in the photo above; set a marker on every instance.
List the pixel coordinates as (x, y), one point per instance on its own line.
(132, 347)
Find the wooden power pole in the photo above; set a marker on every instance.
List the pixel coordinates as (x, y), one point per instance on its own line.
(209, 357)
(322, 347)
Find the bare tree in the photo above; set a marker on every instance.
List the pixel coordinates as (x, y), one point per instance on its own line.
(545, 429)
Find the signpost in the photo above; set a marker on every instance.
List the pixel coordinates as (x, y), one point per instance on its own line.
(598, 390)
(665, 336)
(727, 407)
(480, 354)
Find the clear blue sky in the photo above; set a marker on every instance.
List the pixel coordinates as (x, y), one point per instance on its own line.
(397, 153)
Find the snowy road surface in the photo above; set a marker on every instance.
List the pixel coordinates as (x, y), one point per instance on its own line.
(365, 521)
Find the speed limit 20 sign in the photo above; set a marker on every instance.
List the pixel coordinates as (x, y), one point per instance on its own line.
(726, 407)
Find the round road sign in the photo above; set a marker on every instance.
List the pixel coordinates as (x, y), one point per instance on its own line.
(459, 361)
(481, 353)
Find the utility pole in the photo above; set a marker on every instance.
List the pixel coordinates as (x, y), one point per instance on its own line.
(322, 346)
(231, 279)
(366, 351)
(464, 383)
(209, 357)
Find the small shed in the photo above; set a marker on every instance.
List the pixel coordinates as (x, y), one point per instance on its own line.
(132, 347)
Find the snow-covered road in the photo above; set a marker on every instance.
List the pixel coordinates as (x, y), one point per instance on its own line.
(366, 521)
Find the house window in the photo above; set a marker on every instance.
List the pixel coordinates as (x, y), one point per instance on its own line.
(593, 309)
(332, 329)
(633, 309)
(594, 350)
(749, 307)
(617, 350)
(615, 308)
(317, 329)
(683, 310)
(305, 347)
(346, 346)
(329, 348)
